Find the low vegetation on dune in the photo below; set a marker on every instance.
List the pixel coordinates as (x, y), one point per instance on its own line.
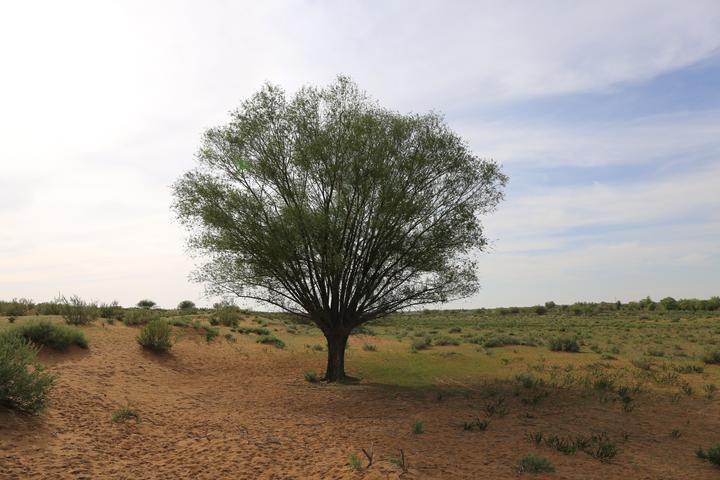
(156, 336)
(47, 334)
(24, 385)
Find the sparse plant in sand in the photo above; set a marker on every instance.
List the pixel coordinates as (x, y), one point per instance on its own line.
(271, 340)
(24, 385)
(354, 462)
(532, 463)
(156, 336)
(311, 376)
(125, 413)
(418, 428)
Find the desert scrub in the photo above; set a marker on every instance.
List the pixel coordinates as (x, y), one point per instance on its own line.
(504, 341)
(140, 317)
(155, 336)
(76, 311)
(418, 428)
(228, 316)
(311, 377)
(421, 344)
(369, 347)
(47, 334)
(564, 344)
(531, 463)
(271, 340)
(255, 330)
(24, 385)
(210, 333)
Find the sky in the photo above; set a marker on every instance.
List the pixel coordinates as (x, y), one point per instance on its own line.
(605, 115)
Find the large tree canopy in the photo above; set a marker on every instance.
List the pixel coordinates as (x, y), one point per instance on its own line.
(335, 209)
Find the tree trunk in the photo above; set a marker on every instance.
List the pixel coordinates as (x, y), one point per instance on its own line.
(336, 343)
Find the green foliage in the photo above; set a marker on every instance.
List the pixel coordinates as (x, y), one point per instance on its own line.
(564, 344)
(140, 317)
(186, 305)
(125, 413)
(311, 376)
(210, 333)
(255, 330)
(476, 424)
(504, 341)
(271, 340)
(76, 311)
(156, 336)
(711, 455)
(532, 463)
(421, 344)
(45, 333)
(24, 385)
(111, 311)
(354, 462)
(418, 428)
(228, 315)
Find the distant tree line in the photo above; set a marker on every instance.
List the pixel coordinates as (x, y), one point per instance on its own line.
(23, 306)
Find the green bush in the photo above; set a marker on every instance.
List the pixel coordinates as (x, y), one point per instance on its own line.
(140, 317)
(564, 344)
(24, 385)
(156, 336)
(111, 311)
(146, 303)
(272, 340)
(421, 344)
(76, 311)
(125, 413)
(311, 376)
(534, 464)
(228, 316)
(255, 330)
(47, 334)
(210, 333)
(504, 341)
(711, 455)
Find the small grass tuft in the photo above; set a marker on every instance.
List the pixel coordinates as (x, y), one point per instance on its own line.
(532, 463)
(125, 413)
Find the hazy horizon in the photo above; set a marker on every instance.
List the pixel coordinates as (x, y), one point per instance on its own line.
(605, 116)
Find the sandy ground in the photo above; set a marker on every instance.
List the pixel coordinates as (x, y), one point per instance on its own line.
(243, 410)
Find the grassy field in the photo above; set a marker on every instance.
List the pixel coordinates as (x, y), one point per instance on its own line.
(622, 388)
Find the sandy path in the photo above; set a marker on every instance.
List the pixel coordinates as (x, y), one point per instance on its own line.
(244, 411)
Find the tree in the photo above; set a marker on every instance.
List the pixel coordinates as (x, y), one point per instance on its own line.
(146, 303)
(335, 209)
(186, 305)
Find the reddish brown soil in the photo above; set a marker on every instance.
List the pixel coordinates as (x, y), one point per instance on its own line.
(244, 411)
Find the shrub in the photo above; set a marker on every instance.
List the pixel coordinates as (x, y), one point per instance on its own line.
(111, 311)
(354, 462)
(476, 424)
(272, 340)
(445, 341)
(210, 333)
(255, 330)
(504, 341)
(47, 334)
(711, 455)
(310, 376)
(421, 344)
(534, 464)
(369, 347)
(24, 385)
(540, 310)
(155, 336)
(564, 344)
(76, 311)
(228, 316)
(125, 413)
(712, 356)
(140, 317)
(11, 319)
